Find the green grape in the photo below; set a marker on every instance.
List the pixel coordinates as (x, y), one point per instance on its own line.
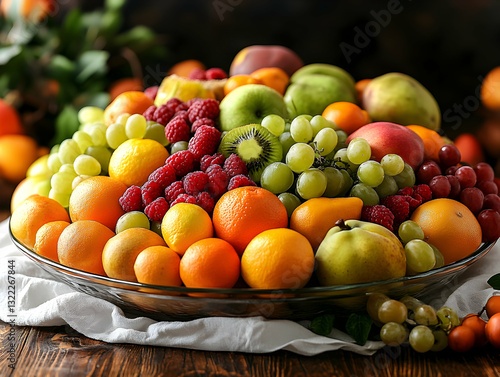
(290, 201)
(61, 198)
(97, 132)
(347, 184)
(358, 150)
(387, 187)
(286, 141)
(392, 164)
(334, 182)
(341, 155)
(301, 130)
(326, 141)
(406, 178)
(156, 131)
(54, 162)
(410, 230)
(102, 155)
(68, 151)
(366, 193)
(411, 303)
(419, 256)
(87, 165)
(136, 125)
(274, 123)
(393, 334)
(68, 168)
(155, 226)
(90, 114)
(300, 157)
(421, 338)
(319, 122)
(83, 140)
(122, 118)
(77, 180)
(440, 340)
(392, 311)
(115, 135)
(311, 184)
(425, 315)
(133, 219)
(179, 146)
(277, 177)
(61, 182)
(375, 300)
(371, 173)
(439, 257)
(448, 318)
(342, 137)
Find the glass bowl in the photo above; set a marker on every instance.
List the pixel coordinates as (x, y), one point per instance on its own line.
(181, 303)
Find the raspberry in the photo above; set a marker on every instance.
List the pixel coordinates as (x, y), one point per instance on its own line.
(177, 130)
(414, 201)
(405, 191)
(181, 108)
(424, 191)
(200, 122)
(205, 141)
(215, 74)
(191, 101)
(207, 108)
(197, 74)
(195, 182)
(398, 205)
(378, 214)
(149, 114)
(163, 114)
(182, 162)
(164, 176)
(156, 209)
(173, 103)
(150, 191)
(209, 160)
(217, 181)
(205, 201)
(184, 198)
(234, 165)
(131, 200)
(151, 92)
(173, 191)
(239, 181)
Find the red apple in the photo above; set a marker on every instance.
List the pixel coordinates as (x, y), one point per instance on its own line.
(386, 137)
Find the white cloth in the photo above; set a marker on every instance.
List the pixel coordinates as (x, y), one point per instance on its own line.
(42, 301)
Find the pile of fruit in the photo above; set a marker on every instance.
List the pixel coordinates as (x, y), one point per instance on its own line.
(273, 176)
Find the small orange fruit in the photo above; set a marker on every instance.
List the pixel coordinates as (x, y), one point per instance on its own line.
(97, 198)
(81, 243)
(121, 251)
(273, 77)
(31, 214)
(17, 153)
(490, 89)
(158, 265)
(236, 81)
(277, 259)
(360, 87)
(346, 115)
(131, 102)
(450, 226)
(126, 84)
(242, 213)
(9, 119)
(184, 68)
(210, 263)
(470, 148)
(432, 141)
(135, 159)
(47, 237)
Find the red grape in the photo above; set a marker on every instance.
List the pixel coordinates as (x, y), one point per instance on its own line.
(466, 176)
(449, 155)
(473, 198)
(487, 187)
(492, 201)
(455, 186)
(451, 170)
(489, 220)
(428, 170)
(484, 172)
(440, 186)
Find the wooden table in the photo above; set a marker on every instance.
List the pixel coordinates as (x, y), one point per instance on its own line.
(60, 351)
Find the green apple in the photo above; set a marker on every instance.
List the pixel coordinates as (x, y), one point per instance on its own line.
(249, 104)
(356, 251)
(325, 69)
(312, 93)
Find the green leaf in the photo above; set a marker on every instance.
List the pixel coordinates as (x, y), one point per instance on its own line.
(114, 4)
(136, 36)
(494, 281)
(358, 326)
(323, 325)
(61, 68)
(91, 63)
(9, 52)
(66, 124)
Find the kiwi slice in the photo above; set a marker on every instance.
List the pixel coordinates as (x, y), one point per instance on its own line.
(255, 145)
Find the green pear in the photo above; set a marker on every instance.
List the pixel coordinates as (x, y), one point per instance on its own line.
(325, 69)
(312, 93)
(356, 251)
(399, 98)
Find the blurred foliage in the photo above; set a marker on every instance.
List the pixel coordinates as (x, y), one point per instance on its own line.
(50, 68)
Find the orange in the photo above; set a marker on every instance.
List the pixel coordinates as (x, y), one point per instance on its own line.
(184, 68)
(346, 115)
(47, 237)
(360, 88)
(81, 244)
(277, 259)
(470, 148)
(210, 263)
(158, 265)
(31, 214)
(184, 224)
(236, 81)
(96, 198)
(490, 89)
(273, 77)
(121, 251)
(9, 119)
(315, 217)
(432, 141)
(450, 226)
(17, 153)
(135, 159)
(242, 213)
(131, 102)
(30, 10)
(125, 84)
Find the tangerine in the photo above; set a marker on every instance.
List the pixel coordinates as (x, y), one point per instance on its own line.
(273, 77)
(131, 102)
(184, 68)
(47, 237)
(236, 81)
(158, 265)
(360, 87)
(9, 119)
(432, 141)
(346, 115)
(17, 153)
(490, 89)
(470, 148)
(125, 84)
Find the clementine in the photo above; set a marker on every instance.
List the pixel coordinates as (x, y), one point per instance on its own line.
(273, 77)
(47, 237)
(432, 141)
(346, 115)
(131, 102)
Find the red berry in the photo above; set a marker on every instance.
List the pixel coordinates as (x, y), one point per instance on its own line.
(131, 200)
(195, 182)
(205, 141)
(173, 191)
(378, 214)
(239, 181)
(217, 181)
(150, 191)
(234, 165)
(151, 92)
(156, 209)
(205, 201)
(206, 108)
(202, 122)
(197, 74)
(215, 74)
(182, 162)
(177, 129)
(164, 176)
(398, 205)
